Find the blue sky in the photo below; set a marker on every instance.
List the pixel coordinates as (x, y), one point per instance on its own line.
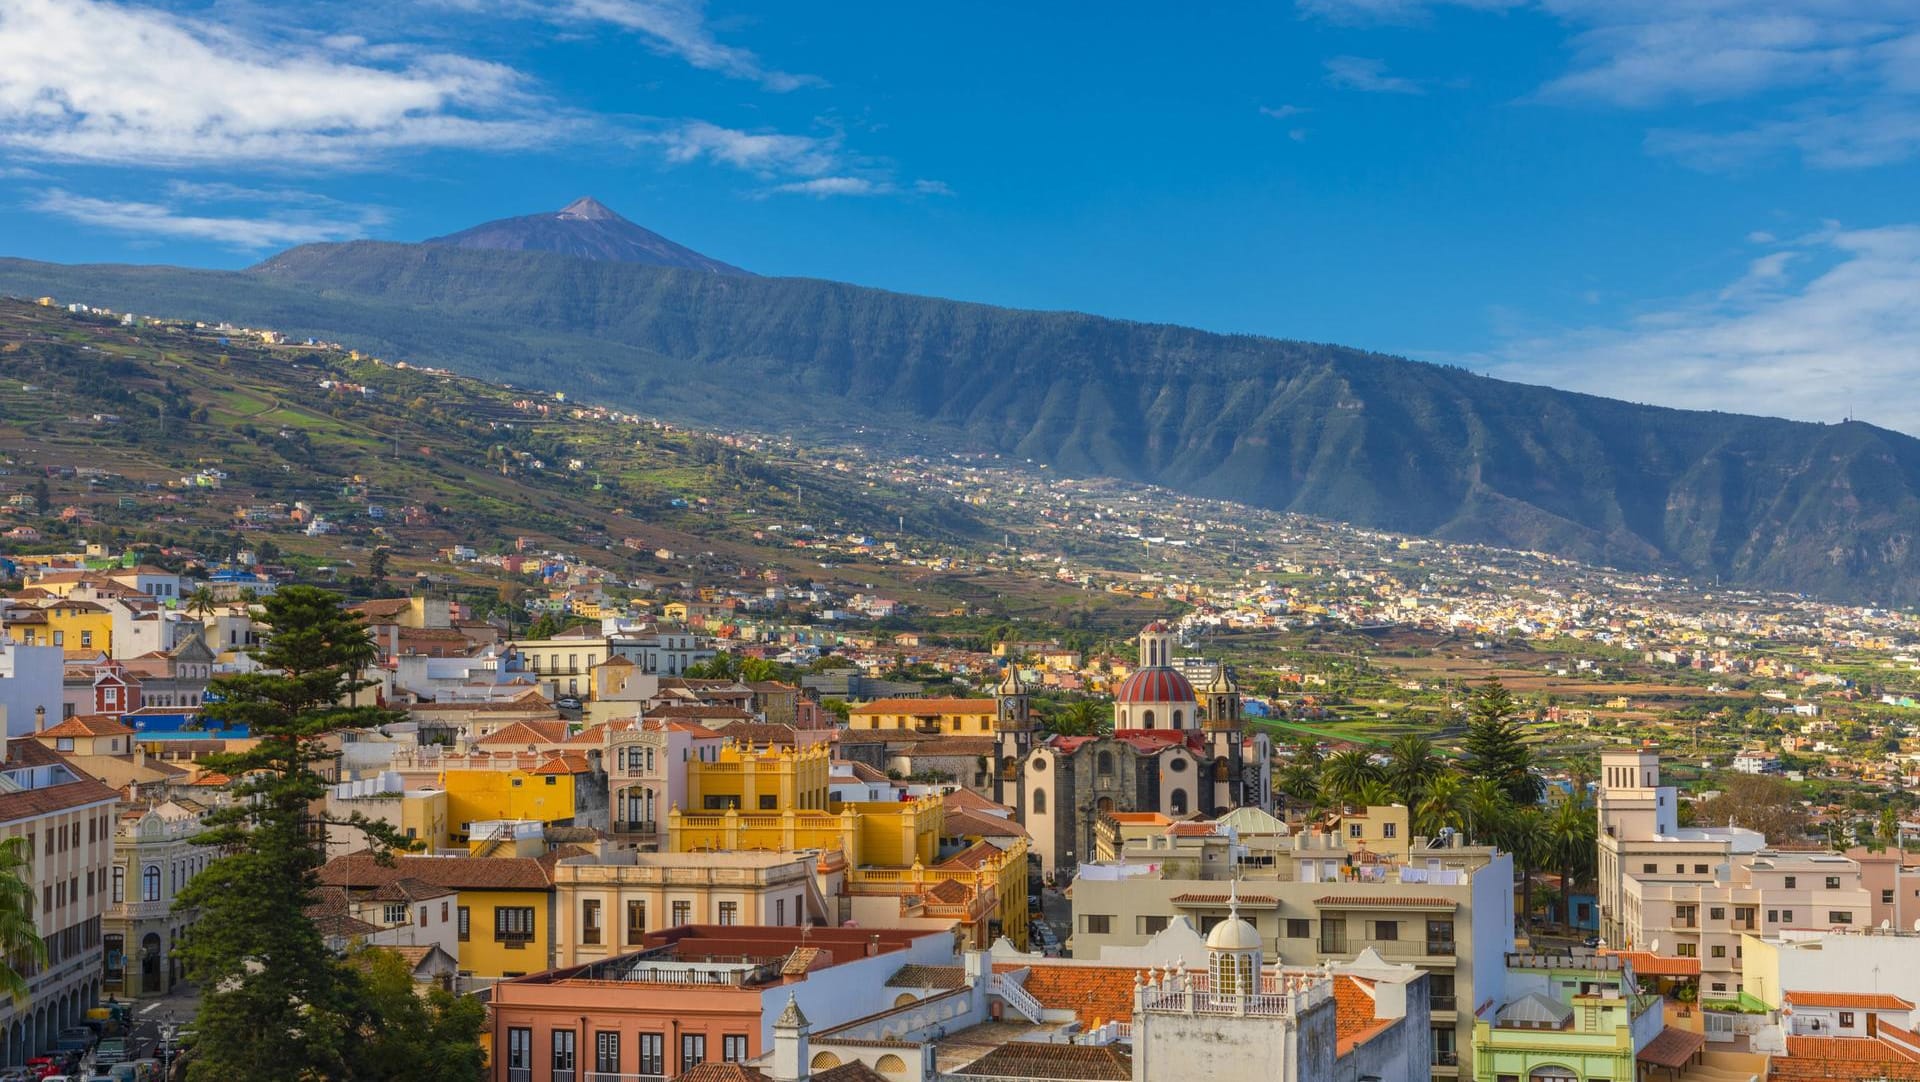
(1707, 203)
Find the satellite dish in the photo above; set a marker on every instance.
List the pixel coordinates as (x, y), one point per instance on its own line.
(1654, 946)
(1886, 925)
(1916, 924)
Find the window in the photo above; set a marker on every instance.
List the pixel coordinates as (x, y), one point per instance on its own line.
(86, 641)
(1719, 951)
(653, 1053)
(1786, 916)
(590, 921)
(1791, 880)
(1153, 925)
(682, 913)
(513, 924)
(1833, 882)
(63, 743)
(636, 923)
(606, 1051)
(1846, 1019)
(1354, 829)
(1649, 869)
(693, 1050)
(733, 1048)
(1386, 930)
(1099, 923)
(779, 912)
(563, 1050)
(150, 883)
(1686, 950)
(1699, 869)
(1839, 916)
(119, 884)
(394, 913)
(1684, 915)
(519, 1049)
(465, 917)
(1773, 916)
(729, 912)
(1297, 928)
(1886, 897)
(1040, 801)
(1719, 986)
(1716, 913)
(1390, 830)
(1680, 869)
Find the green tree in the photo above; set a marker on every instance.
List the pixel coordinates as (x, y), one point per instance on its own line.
(1571, 830)
(1440, 803)
(405, 1035)
(1493, 747)
(1412, 766)
(1346, 775)
(1757, 802)
(19, 939)
(1081, 717)
(201, 602)
(547, 626)
(377, 565)
(1888, 828)
(277, 1004)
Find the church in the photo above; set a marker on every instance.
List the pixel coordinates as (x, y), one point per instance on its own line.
(1174, 750)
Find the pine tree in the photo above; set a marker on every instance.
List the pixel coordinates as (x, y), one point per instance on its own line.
(1493, 747)
(278, 1005)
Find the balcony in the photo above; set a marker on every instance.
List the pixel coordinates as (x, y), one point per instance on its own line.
(1333, 944)
(1446, 1057)
(1443, 1004)
(1441, 947)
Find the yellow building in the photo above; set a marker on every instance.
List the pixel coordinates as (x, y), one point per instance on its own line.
(951, 717)
(505, 914)
(765, 779)
(73, 625)
(886, 833)
(982, 889)
(1383, 829)
(606, 906)
(547, 793)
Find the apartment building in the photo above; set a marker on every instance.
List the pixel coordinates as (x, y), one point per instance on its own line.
(67, 820)
(1446, 911)
(154, 860)
(606, 906)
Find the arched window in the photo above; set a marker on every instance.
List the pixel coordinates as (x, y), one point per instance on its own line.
(1146, 720)
(1040, 801)
(150, 883)
(1177, 718)
(1106, 762)
(1177, 802)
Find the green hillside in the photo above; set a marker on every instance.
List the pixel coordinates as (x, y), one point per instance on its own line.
(1322, 430)
(478, 464)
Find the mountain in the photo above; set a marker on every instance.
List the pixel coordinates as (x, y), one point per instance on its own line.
(588, 229)
(1318, 429)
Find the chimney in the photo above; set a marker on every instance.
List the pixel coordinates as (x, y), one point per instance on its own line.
(39, 719)
(873, 945)
(791, 1059)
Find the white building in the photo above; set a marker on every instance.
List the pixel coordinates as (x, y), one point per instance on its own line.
(30, 685)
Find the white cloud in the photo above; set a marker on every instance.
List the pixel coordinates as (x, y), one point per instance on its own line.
(169, 220)
(677, 28)
(1368, 75)
(101, 82)
(825, 187)
(1842, 337)
(764, 153)
(932, 187)
(1281, 112)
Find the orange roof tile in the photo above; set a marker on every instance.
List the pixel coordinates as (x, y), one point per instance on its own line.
(1361, 901)
(1353, 1021)
(88, 725)
(1649, 964)
(1864, 1001)
(928, 706)
(1096, 994)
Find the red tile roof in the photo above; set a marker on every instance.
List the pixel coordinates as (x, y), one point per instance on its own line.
(1096, 994)
(1361, 901)
(1251, 901)
(1864, 1001)
(1649, 964)
(89, 725)
(928, 706)
(1354, 1023)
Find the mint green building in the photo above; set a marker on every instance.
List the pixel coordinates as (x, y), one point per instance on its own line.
(1576, 1018)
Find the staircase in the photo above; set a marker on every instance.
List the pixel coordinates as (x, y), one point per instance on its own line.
(1018, 998)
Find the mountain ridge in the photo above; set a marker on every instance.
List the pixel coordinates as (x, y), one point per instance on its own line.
(1318, 429)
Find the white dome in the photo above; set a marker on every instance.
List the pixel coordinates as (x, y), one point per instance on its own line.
(1233, 934)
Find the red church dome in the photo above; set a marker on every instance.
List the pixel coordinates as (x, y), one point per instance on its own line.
(1155, 685)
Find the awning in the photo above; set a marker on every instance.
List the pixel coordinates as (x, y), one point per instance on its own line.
(1673, 1048)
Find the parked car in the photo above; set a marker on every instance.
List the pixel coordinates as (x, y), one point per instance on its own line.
(567, 702)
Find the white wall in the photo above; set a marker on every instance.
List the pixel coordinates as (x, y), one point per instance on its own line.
(30, 677)
(853, 989)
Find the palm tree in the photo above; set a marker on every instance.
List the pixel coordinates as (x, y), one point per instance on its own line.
(1378, 792)
(1439, 806)
(201, 602)
(1524, 834)
(1571, 833)
(18, 937)
(1346, 774)
(1582, 770)
(1485, 806)
(1412, 767)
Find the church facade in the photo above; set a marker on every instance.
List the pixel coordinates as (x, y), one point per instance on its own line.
(1174, 749)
